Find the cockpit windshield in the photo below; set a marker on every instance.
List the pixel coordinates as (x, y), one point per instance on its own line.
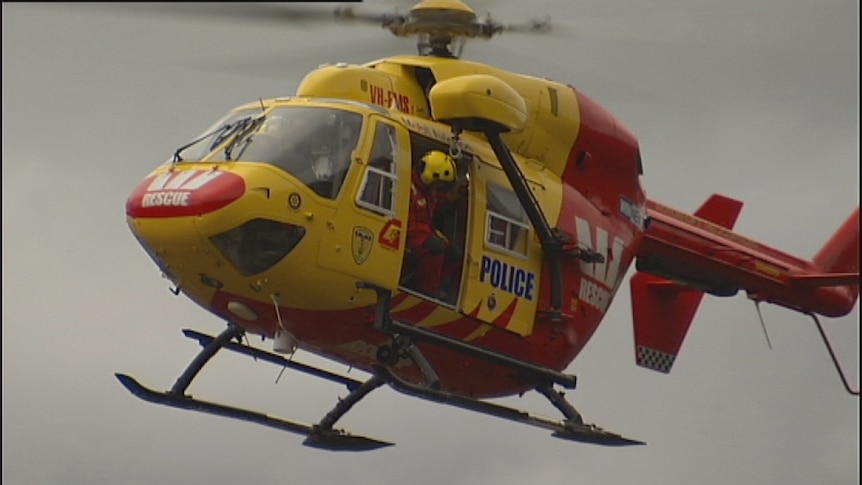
(314, 144)
(215, 135)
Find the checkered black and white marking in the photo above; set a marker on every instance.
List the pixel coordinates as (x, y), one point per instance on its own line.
(654, 359)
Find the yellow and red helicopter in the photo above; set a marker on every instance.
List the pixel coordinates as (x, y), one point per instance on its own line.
(288, 219)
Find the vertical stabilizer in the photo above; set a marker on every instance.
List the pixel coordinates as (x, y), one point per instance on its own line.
(841, 253)
(662, 311)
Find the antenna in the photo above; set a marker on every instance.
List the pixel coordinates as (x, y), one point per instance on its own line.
(762, 323)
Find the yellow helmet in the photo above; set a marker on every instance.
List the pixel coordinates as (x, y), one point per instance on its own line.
(437, 166)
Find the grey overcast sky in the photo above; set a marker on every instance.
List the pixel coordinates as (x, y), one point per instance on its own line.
(754, 99)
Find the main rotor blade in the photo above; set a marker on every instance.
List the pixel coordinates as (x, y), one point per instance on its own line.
(532, 27)
(272, 13)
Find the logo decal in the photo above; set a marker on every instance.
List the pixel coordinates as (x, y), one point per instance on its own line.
(294, 200)
(390, 235)
(597, 293)
(173, 189)
(361, 244)
(184, 193)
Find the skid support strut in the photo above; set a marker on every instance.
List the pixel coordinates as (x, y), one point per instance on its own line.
(185, 379)
(559, 401)
(572, 427)
(321, 435)
(401, 345)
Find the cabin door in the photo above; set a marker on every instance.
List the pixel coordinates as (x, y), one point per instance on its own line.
(367, 233)
(503, 259)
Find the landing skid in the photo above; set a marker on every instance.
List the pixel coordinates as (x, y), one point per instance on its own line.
(324, 436)
(321, 435)
(334, 440)
(566, 429)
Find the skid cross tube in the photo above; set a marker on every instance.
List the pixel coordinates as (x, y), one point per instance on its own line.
(384, 322)
(532, 371)
(265, 356)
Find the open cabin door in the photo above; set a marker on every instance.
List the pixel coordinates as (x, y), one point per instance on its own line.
(367, 232)
(438, 276)
(504, 260)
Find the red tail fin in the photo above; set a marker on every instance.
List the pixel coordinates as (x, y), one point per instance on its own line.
(837, 265)
(720, 210)
(841, 253)
(663, 310)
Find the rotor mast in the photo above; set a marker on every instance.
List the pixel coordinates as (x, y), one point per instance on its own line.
(442, 26)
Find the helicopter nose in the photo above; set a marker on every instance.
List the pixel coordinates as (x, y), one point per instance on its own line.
(179, 193)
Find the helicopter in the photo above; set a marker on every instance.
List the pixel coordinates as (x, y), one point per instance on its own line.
(289, 219)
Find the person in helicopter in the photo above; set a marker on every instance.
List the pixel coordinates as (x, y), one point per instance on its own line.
(434, 187)
(331, 147)
(314, 145)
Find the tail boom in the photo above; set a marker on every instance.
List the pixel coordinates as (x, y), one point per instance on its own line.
(706, 256)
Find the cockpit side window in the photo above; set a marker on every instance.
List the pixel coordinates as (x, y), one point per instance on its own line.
(379, 186)
(507, 229)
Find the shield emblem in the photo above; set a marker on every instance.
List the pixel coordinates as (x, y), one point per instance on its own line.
(361, 244)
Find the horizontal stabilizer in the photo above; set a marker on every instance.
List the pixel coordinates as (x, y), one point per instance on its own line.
(720, 210)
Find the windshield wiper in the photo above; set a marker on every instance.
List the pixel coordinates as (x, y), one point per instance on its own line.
(242, 134)
(223, 132)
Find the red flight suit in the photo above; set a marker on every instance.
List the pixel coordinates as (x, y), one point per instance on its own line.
(420, 228)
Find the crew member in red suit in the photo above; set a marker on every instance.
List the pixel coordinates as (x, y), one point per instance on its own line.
(432, 179)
